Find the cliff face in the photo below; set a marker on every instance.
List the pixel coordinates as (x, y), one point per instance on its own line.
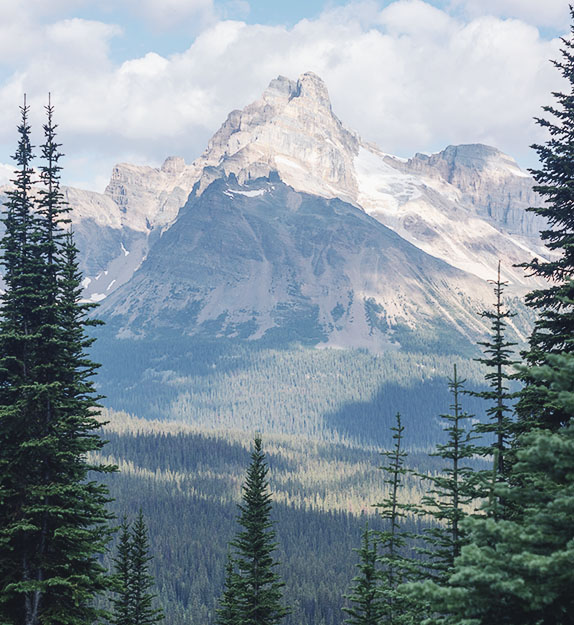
(491, 182)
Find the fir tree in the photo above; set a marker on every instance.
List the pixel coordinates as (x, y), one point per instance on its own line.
(452, 490)
(498, 352)
(554, 326)
(396, 568)
(366, 607)
(134, 601)
(257, 585)
(518, 570)
(122, 613)
(53, 523)
(141, 581)
(228, 609)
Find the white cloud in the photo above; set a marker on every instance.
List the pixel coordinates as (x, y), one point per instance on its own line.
(6, 173)
(410, 77)
(546, 13)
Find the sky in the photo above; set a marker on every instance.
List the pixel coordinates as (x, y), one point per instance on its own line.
(139, 80)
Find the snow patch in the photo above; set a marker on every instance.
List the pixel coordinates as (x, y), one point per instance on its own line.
(253, 193)
(86, 283)
(126, 252)
(516, 171)
(97, 297)
(110, 285)
(379, 182)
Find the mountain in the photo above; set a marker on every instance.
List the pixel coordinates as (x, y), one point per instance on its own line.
(295, 228)
(290, 228)
(464, 205)
(261, 260)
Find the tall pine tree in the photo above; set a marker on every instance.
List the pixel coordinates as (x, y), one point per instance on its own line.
(396, 566)
(518, 570)
(142, 582)
(554, 326)
(53, 523)
(498, 360)
(256, 587)
(228, 609)
(134, 600)
(122, 612)
(454, 488)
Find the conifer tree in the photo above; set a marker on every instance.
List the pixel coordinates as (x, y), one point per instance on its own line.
(497, 358)
(53, 523)
(141, 581)
(554, 326)
(518, 570)
(396, 568)
(134, 603)
(228, 609)
(452, 490)
(256, 586)
(366, 607)
(122, 612)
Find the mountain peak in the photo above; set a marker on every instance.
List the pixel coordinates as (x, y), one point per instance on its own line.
(173, 165)
(312, 87)
(280, 87)
(291, 129)
(308, 87)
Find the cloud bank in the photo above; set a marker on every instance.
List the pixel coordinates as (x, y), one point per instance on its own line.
(410, 77)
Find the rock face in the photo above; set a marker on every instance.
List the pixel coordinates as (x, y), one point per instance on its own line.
(489, 181)
(115, 229)
(291, 130)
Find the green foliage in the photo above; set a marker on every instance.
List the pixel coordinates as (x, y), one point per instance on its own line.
(256, 588)
(141, 581)
(498, 360)
(554, 326)
(327, 395)
(228, 610)
(453, 489)
(519, 570)
(396, 567)
(183, 476)
(122, 601)
(366, 606)
(133, 601)
(53, 521)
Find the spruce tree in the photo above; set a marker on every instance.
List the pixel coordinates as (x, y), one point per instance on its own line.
(518, 570)
(133, 584)
(396, 567)
(257, 588)
(122, 612)
(53, 524)
(554, 326)
(366, 607)
(142, 582)
(228, 609)
(454, 488)
(498, 359)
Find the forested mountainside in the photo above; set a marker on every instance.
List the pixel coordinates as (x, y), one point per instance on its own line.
(327, 395)
(187, 481)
